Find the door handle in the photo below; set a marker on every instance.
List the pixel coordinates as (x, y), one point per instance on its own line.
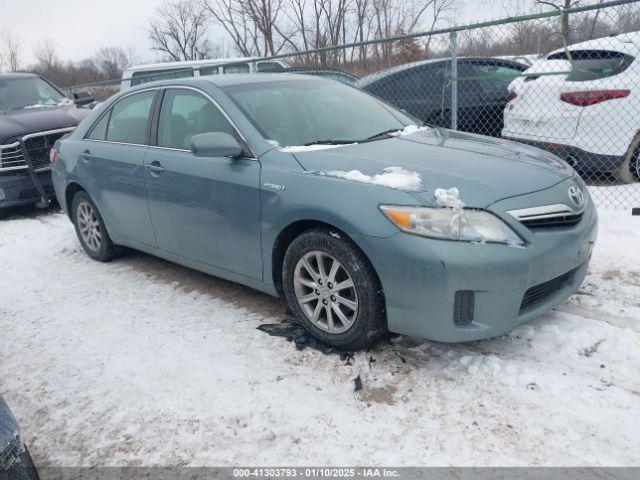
(154, 167)
(86, 155)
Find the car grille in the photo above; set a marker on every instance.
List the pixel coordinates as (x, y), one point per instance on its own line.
(11, 157)
(37, 144)
(564, 221)
(541, 291)
(548, 217)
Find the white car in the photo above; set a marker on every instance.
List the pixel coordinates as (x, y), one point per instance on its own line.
(583, 104)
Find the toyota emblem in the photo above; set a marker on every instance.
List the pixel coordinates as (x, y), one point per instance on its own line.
(576, 195)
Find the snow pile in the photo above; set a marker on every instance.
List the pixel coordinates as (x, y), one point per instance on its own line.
(409, 129)
(392, 177)
(448, 198)
(451, 199)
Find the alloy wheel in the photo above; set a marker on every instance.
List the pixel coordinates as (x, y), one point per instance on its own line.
(89, 226)
(326, 292)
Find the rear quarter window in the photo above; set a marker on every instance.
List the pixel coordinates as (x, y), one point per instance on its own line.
(593, 64)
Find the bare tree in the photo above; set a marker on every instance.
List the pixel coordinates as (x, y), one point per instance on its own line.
(264, 14)
(256, 27)
(565, 29)
(10, 50)
(179, 30)
(112, 61)
(46, 55)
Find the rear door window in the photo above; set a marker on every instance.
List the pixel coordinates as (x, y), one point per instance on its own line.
(432, 80)
(130, 118)
(209, 71)
(269, 67)
(593, 64)
(493, 77)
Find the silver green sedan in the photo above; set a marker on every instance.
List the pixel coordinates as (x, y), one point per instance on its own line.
(316, 191)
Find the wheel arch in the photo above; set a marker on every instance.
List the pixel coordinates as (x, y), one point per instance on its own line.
(70, 191)
(293, 230)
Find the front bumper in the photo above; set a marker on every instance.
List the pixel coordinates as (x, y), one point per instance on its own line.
(17, 188)
(578, 158)
(421, 276)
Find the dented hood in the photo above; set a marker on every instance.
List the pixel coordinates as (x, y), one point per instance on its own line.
(484, 169)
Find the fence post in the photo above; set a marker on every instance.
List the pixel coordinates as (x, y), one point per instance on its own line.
(454, 79)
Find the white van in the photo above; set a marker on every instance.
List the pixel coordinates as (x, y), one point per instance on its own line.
(196, 68)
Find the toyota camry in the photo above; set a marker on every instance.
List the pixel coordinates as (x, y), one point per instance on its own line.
(362, 219)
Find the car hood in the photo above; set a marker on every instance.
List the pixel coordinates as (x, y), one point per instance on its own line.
(30, 120)
(484, 169)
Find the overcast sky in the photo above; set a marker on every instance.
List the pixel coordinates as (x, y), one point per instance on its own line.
(80, 27)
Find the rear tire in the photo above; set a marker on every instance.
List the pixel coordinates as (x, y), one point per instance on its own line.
(629, 171)
(22, 469)
(91, 229)
(333, 290)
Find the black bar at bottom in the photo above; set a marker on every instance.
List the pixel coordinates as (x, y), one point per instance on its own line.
(44, 199)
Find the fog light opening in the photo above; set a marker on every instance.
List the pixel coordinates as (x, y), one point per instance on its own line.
(463, 306)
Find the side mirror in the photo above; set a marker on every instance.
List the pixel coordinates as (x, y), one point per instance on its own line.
(82, 98)
(215, 144)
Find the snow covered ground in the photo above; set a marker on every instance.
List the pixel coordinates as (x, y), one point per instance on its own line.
(140, 362)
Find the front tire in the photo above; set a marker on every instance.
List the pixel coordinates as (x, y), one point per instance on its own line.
(333, 290)
(91, 230)
(629, 171)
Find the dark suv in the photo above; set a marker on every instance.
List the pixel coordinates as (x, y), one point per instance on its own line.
(34, 113)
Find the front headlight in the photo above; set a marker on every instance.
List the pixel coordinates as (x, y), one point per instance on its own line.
(452, 224)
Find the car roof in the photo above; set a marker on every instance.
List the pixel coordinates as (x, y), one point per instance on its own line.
(191, 63)
(626, 42)
(229, 79)
(368, 79)
(6, 76)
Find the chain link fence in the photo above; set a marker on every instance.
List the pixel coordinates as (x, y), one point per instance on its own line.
(566, 81)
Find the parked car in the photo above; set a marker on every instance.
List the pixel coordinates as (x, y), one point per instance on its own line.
(195, 68)
(15, 461)
(589, 113)
(423, 89)
(34, 113)
(306, 188)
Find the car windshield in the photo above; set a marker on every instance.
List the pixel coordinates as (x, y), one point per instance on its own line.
(307, 112)
(28, 92)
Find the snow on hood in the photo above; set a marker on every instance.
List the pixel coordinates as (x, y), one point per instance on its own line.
(485, 169)
(392, 177)
(448, 198)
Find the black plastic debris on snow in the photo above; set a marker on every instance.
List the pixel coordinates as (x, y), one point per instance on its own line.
(296, 333)
(357, 382)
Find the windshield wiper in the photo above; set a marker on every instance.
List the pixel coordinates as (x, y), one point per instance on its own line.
(330, 142)
(385, 134)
